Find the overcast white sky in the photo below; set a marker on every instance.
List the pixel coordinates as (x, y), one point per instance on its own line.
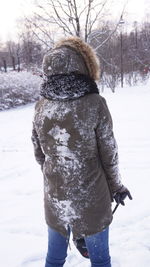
(10, 10)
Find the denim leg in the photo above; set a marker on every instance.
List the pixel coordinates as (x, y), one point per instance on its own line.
(98, 248)
(57, 249)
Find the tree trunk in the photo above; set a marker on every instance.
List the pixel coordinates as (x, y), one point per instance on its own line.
(5, 65)
(13, 63)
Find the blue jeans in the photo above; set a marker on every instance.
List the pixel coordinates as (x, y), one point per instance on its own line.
(97, 245)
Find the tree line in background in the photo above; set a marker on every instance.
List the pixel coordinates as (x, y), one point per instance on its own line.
(26, 54)
(124, 55)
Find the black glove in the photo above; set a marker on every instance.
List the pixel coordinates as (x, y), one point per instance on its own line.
(120, 196)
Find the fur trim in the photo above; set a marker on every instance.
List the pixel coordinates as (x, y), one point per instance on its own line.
(88, 54)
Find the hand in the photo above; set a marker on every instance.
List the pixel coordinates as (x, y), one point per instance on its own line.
(120, 196)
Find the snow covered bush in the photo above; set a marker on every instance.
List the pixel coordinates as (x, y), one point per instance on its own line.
(18, 89)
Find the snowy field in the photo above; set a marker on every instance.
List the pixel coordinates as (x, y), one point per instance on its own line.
(23, 233)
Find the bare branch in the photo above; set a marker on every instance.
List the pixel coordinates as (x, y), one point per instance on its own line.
(71, 16)
(41, 39)
(87, 19)
(41, 29)
(111, 32)
(62, 24)
(96, 17)
(108, 63)
(77, 18)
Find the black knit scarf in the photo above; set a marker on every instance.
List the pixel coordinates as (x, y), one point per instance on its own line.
(67, 86)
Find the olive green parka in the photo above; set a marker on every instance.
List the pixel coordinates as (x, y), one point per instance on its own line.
(74, 144)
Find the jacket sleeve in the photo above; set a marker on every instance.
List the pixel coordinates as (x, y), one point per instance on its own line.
(107, 148)
(39, 155)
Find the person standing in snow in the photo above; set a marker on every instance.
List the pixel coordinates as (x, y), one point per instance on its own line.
(74, 144)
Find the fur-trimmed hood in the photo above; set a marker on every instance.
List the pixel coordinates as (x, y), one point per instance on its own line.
(72, 55)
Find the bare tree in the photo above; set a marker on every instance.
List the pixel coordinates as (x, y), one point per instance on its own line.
(5, 64)
(18, 54)
(29, 51)
(70, 17)
(11, 47)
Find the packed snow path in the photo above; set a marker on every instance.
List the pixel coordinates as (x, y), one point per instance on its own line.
(23, 232)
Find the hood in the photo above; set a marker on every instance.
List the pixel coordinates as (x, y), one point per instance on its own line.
(72, 55)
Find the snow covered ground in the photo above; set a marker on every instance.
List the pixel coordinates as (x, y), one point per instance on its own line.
(23, 233)
(18, 88)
